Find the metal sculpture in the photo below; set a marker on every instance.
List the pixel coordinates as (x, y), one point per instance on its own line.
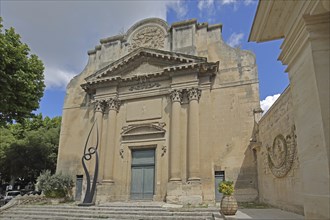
(88, 153)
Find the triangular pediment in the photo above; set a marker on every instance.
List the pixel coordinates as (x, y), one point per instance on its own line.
(143, 61)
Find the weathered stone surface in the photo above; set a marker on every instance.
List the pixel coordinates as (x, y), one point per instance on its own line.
(304, 25)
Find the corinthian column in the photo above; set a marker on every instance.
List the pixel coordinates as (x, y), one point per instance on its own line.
(193, 134)
(109, 150)
(175, 152)
(99, 107)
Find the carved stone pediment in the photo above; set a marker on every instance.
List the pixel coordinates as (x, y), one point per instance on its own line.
(148, 63)
(146, 130)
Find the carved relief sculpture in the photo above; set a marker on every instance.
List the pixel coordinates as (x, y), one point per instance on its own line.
(144, 83)
(151, 37)
(282, 153)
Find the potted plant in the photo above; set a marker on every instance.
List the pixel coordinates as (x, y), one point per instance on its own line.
(56, 187)
(228, 204)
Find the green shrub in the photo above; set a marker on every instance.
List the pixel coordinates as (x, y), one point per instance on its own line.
(226, 187)
(54, 186)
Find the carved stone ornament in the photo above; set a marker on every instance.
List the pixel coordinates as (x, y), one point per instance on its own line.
(113, 104)
(99, 105)
(138, 130)
(144, 83)
(282, 154)
(194, 94)
(176, 96)
(150, 36)
(121, 153)
(163, 150)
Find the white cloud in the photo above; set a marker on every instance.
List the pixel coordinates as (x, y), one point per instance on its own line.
(268, 102)
(237, 3)
(235, 39)
(206, 9)
(205, 4)
(250, 2)
(56, 78)
(228, 2)
(180, 7)
(61, 32)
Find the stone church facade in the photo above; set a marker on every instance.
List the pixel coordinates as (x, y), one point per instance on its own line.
(175, 109)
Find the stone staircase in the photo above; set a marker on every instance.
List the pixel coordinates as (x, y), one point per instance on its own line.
(109, 211)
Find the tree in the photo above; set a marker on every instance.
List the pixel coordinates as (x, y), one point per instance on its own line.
(29, 148)
(21, 78)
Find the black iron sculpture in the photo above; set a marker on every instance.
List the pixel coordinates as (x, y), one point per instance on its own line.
(88, 153)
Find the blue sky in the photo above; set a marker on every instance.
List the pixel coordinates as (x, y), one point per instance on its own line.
(61, 32)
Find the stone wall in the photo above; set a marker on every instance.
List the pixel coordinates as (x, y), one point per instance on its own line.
(279, 180)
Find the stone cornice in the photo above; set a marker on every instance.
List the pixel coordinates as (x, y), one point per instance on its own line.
(274, 19)
(184, 23)
(201, 68)
(299, 35)
(113, 72)
(147, 52)
(113, 38)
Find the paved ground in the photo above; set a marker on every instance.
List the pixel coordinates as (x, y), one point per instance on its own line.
(265, 214)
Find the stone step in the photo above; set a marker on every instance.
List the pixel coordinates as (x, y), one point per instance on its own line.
(78, 209)
(112, 217)
(33, 211)
(109, 211)
(104, 212)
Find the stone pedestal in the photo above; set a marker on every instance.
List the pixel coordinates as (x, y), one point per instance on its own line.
(189, 193)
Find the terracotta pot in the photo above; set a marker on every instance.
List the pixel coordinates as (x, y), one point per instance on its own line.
(228, 205)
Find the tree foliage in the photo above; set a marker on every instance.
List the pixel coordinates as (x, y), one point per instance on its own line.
(55, 186)
(29, 147)
(21, 78)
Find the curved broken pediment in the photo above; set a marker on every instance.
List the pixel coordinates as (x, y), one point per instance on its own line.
(143, 131)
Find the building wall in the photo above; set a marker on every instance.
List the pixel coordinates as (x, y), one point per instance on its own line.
(225, 117)
(279, 185)
(304, 27)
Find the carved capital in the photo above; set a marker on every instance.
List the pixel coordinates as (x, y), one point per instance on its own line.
(99, 105)
(176, 96)
(113, 104)
(194, 94)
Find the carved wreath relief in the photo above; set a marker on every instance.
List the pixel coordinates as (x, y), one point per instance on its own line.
(281, 154)
(151, 37)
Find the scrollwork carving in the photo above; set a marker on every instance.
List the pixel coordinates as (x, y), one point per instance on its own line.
(121, 153)
(150, 36)
(163, 150)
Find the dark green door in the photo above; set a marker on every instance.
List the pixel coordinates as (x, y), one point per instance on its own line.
(219, 177)
(143, 174)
